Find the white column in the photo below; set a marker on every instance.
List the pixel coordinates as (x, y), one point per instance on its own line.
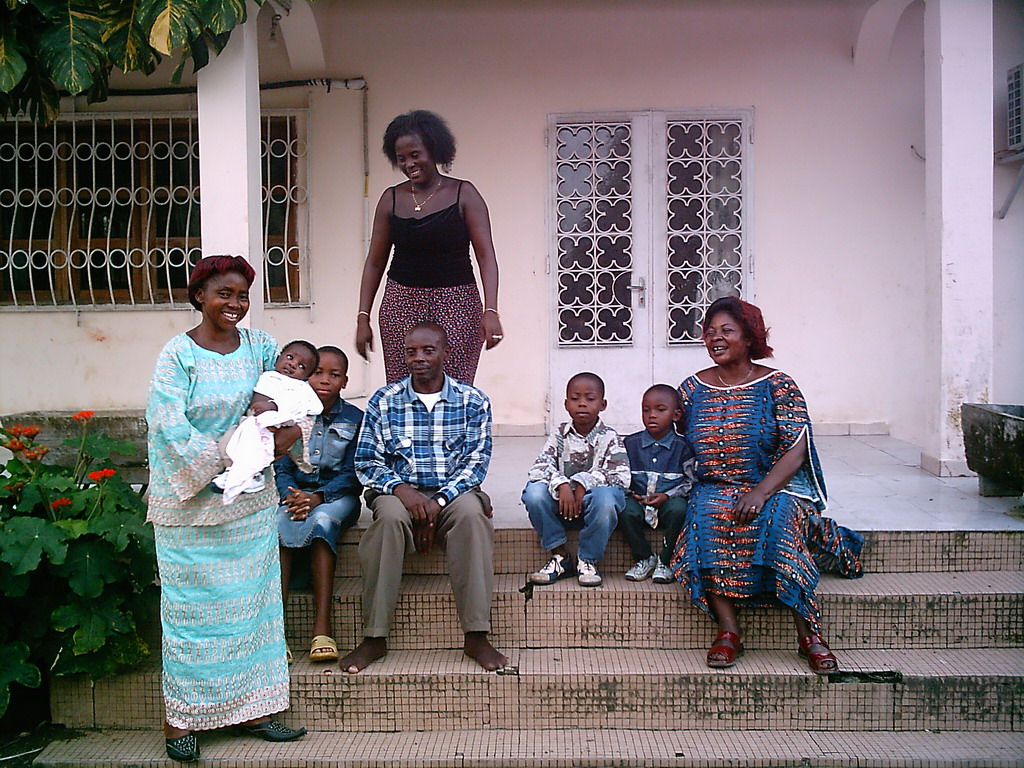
(229, 155)
(958, 221)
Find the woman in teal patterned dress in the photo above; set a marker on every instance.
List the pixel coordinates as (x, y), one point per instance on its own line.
(755, 534)
(220, 608)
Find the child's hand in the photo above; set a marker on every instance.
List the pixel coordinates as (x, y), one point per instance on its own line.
(568, 507)
(261, 404)
(654, 500)
(300, 503)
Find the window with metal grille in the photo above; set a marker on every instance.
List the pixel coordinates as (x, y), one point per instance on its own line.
(652, 195)
(102, 210)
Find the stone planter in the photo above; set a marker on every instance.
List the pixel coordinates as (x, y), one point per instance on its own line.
(994, 444)
(58, 426)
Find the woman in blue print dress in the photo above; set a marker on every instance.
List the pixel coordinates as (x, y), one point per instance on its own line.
(755, 535)
(220, 598)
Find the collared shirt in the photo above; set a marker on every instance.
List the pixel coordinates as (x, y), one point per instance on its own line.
(332, 450)
(445, 450)
(660, 466)
(597, 458)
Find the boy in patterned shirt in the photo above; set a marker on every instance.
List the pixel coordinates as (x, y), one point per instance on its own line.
(578, 481)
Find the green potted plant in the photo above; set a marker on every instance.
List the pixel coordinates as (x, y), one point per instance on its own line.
(77, 561)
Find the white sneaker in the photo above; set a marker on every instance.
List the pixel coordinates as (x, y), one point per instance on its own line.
(589, 577)
(556, 568)
(663, 574)
(642, 569)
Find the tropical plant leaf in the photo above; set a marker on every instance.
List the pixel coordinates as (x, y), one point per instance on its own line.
(72, 47)
(90, 626)
(74, 528)
(12, 64)
(222, 15)
(175, 23)
(23, 541)
(12, 585)
(30, 498)
(89, 565)
(15, 668)
(127, 35)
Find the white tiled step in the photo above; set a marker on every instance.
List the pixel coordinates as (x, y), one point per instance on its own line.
(570, 748)
(963, 690)
(910, 610)
(516, 551)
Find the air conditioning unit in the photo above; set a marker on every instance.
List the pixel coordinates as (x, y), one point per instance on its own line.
(1014, 127)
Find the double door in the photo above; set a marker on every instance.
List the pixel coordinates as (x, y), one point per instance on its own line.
(648, 223)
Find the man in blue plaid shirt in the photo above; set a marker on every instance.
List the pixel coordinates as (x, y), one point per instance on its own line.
(422, 453)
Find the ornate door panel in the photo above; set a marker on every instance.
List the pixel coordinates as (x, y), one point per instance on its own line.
(648, 224)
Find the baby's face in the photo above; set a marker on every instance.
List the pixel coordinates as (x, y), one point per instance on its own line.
(296, 362)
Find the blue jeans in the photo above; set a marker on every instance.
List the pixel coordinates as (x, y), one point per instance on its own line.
(601, 508)
(327, 521)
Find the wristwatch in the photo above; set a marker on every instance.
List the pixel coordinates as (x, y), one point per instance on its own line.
(440, 499)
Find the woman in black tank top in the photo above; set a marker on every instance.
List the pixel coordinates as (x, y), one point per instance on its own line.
(430, 221)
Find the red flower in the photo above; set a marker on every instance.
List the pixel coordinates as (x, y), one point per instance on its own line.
(14, 445)
(83, 416)
(20, 430)
(34, 454)
(100, 475)
(14, 486)
(63, 501)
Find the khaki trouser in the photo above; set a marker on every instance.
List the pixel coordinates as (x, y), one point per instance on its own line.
(465, 533)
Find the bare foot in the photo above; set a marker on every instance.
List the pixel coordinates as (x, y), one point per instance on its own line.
(479, 648)
(364, 654)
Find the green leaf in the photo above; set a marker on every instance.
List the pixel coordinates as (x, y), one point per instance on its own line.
(72, 47)
(127, 37)
(31, 497)
(90, 626)
(24, 539)
(89, 565)
(12, 64)
(74, 528)
(11, 584)
(100, 447)
(175, 23)
(15, 668)
(222, 15)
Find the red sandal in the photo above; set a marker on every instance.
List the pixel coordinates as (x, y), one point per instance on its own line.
(729, 652)
(818, 660)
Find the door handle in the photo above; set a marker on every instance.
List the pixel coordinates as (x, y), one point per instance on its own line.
(641, 291)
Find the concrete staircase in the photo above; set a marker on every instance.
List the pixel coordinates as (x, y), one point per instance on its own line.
(931, 642)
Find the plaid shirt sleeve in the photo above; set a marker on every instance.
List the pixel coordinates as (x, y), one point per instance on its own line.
(477, 453)
(371, 467)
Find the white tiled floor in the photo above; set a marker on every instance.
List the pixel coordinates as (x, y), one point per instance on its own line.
(874, 483)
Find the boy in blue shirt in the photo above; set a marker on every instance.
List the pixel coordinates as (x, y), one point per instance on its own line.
(662, 467)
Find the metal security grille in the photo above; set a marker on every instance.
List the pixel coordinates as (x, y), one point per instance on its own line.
(705, 213)
(102, 210)
(594, 225)
(1014, 122)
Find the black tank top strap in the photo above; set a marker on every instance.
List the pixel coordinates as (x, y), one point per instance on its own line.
(394, 191)
(458, 193)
